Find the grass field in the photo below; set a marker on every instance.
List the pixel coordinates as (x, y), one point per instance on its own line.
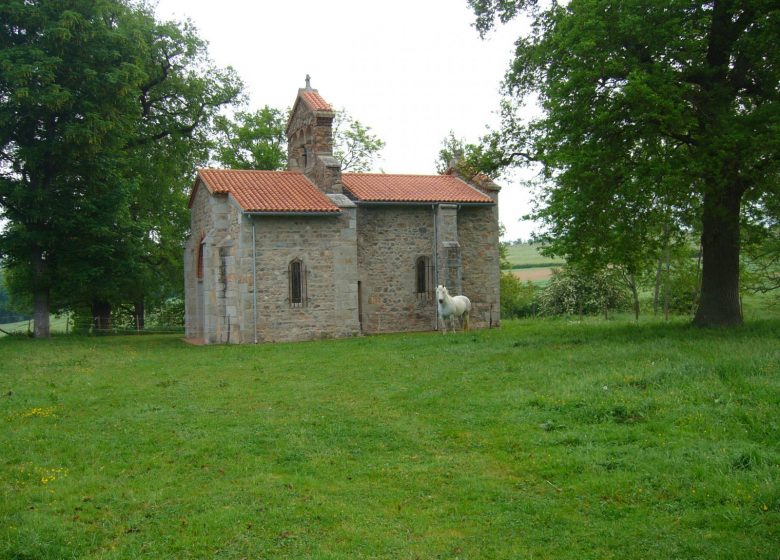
(543, 439)
(57, 323)
(527, 256)
(529, 266)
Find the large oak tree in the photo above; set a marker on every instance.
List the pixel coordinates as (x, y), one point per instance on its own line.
(97, 102)
(655, 116)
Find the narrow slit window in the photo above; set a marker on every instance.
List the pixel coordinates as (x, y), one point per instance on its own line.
(297, 280)
(423, 276)
(199, 266)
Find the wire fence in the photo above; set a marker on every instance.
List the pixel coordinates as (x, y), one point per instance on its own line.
(70, 324)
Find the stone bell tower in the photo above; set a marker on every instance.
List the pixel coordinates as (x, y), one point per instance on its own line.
(310, 140)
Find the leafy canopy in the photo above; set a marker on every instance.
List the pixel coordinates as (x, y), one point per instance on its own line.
(654, 117)
(102, 110)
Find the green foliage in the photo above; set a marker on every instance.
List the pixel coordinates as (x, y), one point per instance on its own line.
(574, 291)
(166, 315)
(503, 248)
(684, 281)
(761, 255)
(518, 299)
(353, 143)
(468, 159)
(535, 440)
(252, 140)
(10, 311)
(102, 111)
(258, 140)
(653, 117)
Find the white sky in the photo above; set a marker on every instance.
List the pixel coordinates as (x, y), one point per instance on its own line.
(412, 70)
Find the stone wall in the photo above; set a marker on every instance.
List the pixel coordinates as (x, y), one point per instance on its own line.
(209, 300)
(353, 282)
(478, 239)
(391, 239)
(327, 246)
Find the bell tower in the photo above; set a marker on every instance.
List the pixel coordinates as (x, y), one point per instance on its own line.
(310, 140)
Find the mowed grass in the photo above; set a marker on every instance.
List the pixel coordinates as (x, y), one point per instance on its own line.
(544, 439)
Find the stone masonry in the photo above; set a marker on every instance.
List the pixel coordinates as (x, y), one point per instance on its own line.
(360, 271)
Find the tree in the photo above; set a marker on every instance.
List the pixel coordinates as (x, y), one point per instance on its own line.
(257, 140)
(91, 95)
(252, 140)
(66, 97)
(353, 144)
(179, 100)
(469, 159)
(651, 114)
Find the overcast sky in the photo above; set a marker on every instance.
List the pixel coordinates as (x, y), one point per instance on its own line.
(412, 70)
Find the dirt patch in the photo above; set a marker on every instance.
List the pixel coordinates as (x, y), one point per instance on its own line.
(532, 274)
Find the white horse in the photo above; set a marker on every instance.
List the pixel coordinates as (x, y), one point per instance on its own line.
(451, 307)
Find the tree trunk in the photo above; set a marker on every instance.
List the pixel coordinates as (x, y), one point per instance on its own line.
(697, 288)
(101, 316)
(659, 269)
(41, 313)
(40, 296)
(138, 314)
(719, 304)
(657, 292)
(634, 294)
(666, 277)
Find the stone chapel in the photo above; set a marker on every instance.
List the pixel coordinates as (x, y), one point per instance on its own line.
(313, 252)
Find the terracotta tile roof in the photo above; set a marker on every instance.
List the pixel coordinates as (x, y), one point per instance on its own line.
(315, 101)
(380, 187)
(267, 191)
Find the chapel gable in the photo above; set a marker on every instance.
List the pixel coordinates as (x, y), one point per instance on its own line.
(310, 140)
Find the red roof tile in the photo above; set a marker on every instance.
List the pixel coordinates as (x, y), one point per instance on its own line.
(315, 101)
(380, 187)
(267, 191)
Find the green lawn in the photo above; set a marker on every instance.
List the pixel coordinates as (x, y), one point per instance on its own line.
(544, 439)
(57, 323)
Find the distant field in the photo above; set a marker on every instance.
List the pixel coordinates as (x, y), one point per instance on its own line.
(565, 439)
(529, 266)
(528, 256)
(535, 274)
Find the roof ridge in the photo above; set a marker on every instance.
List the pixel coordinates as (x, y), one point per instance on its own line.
(292, 171)
(397, 174)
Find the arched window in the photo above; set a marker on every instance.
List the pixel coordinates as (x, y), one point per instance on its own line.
(296, 273)
(423, 277)
(199, 265)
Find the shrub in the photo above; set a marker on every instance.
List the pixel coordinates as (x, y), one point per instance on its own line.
(169, 314)
(517, 299)
(572, 291)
